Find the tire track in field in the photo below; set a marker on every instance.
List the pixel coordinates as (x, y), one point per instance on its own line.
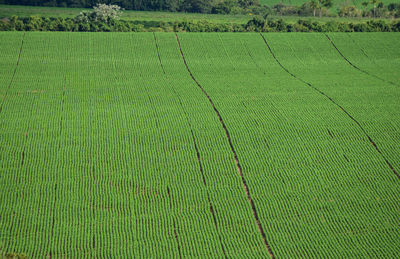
(362, 50)
(354, 66)
(238, 166)
(251, 56)
(15, 71)
(335, 103)
(196, 148)
(158, 53)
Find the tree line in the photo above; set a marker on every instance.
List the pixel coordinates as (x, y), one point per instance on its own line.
(257, 24)
(106, 18)
(196, 6)
(370, 8)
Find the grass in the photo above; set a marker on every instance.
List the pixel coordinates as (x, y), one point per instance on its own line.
(111, 147)
(336, 3)
(26, 11)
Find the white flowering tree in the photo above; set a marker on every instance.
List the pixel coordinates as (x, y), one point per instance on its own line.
(100, 13)
(106, 12)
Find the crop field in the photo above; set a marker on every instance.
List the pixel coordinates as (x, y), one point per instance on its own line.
(240, 145)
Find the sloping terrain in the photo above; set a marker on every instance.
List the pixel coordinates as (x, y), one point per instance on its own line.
(200, 145)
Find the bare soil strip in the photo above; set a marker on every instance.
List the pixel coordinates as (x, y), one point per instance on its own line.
(251, 56)
(23, 157)
(197, 152)
(15, 71)
(239, 168)
(359, 69)
(158, 53)
(334, 102)
(355, 43)
(201, 171)
(173, 222)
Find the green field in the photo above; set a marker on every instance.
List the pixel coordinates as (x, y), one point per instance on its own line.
(197, 145)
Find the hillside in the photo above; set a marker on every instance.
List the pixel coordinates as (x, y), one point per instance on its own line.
(200, 145)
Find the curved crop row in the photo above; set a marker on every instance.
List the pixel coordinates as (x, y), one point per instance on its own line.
(124, 145)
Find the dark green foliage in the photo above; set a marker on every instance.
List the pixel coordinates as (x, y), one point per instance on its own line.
(256, 24)
(196, 6)
(224, 7)
(311, 8)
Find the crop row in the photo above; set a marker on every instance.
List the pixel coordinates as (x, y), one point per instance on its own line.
(109, 147)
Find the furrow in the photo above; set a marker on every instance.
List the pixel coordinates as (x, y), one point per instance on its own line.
(356, 67)
(238, 166)
(335, 103)
(251, 56)
(362, 50)
(23, 157)
(15, 71)
(158, 52)
(23, 151)
(197, 152)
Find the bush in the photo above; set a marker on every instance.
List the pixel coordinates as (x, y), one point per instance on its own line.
(349, 11)
(257, 24)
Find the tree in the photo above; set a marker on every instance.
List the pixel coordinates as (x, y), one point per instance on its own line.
(223, 7)
(248, 3)
(375, 3)
(314, 4)
(349, 11)
(197, 6)
(324, 3)
(101, 13)
(365, 5)
(107, 13)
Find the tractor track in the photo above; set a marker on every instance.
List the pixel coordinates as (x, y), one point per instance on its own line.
(335, 103)
(362, 50)
(15, 71)
(158, 53)
(238, 166)
(197, 151)
(356, 67)
(252, 58)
